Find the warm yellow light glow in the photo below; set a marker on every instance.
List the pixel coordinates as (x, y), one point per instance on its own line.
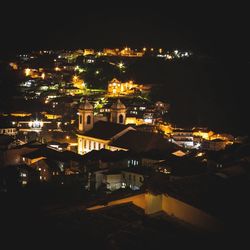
(43, 75)
(120, 65)
(75, 78)
(27, 72)
(57, 69)
(13, 66)
(144, 49)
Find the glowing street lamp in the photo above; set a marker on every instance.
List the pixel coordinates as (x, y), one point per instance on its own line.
(121, 65)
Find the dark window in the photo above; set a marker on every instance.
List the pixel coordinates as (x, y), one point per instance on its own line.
(80, 119)
(120, 118)
(88, 119)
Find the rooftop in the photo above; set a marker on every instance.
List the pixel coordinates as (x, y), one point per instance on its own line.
(209, 192)
(106, 155)
(139, 170)
(139, 141)
(105, 130)
(53, 154)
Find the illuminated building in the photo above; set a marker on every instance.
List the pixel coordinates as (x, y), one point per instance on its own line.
(52, 116)
(20, 114)
(78, 83)
(116, 87)
(88, 52)
(130, 53)
(8, 130)
(111, 52)
(34, 73)
(32, 125)
(183, 138)
(97, 135)
(203, 133)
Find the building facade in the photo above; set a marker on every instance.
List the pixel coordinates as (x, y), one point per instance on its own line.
(97, 135)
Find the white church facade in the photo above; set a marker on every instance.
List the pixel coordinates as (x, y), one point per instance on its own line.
(94, 134)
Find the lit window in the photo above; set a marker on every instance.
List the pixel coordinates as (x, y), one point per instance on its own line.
(24, 182)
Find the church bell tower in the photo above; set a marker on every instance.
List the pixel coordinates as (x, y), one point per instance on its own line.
(86, 116)
(118, 112)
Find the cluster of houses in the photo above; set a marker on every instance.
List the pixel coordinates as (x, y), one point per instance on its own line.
(111, 154)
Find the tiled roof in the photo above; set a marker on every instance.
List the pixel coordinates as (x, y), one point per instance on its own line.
(53, 154)
(139, 141)
(105, 130)
(106, 155)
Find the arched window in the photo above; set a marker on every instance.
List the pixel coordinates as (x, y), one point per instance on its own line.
(120, 118)
(88, 119)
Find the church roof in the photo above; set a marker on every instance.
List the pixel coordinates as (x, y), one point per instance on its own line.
(105, 130)
(139, 141)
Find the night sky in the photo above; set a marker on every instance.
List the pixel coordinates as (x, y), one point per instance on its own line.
(211, 29)
(214, 31)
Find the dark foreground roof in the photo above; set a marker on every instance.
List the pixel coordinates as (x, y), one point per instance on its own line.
(106, 155)
(105, 130)
(139, 141)
(5, 139)
(208, 192)
(53, 154)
